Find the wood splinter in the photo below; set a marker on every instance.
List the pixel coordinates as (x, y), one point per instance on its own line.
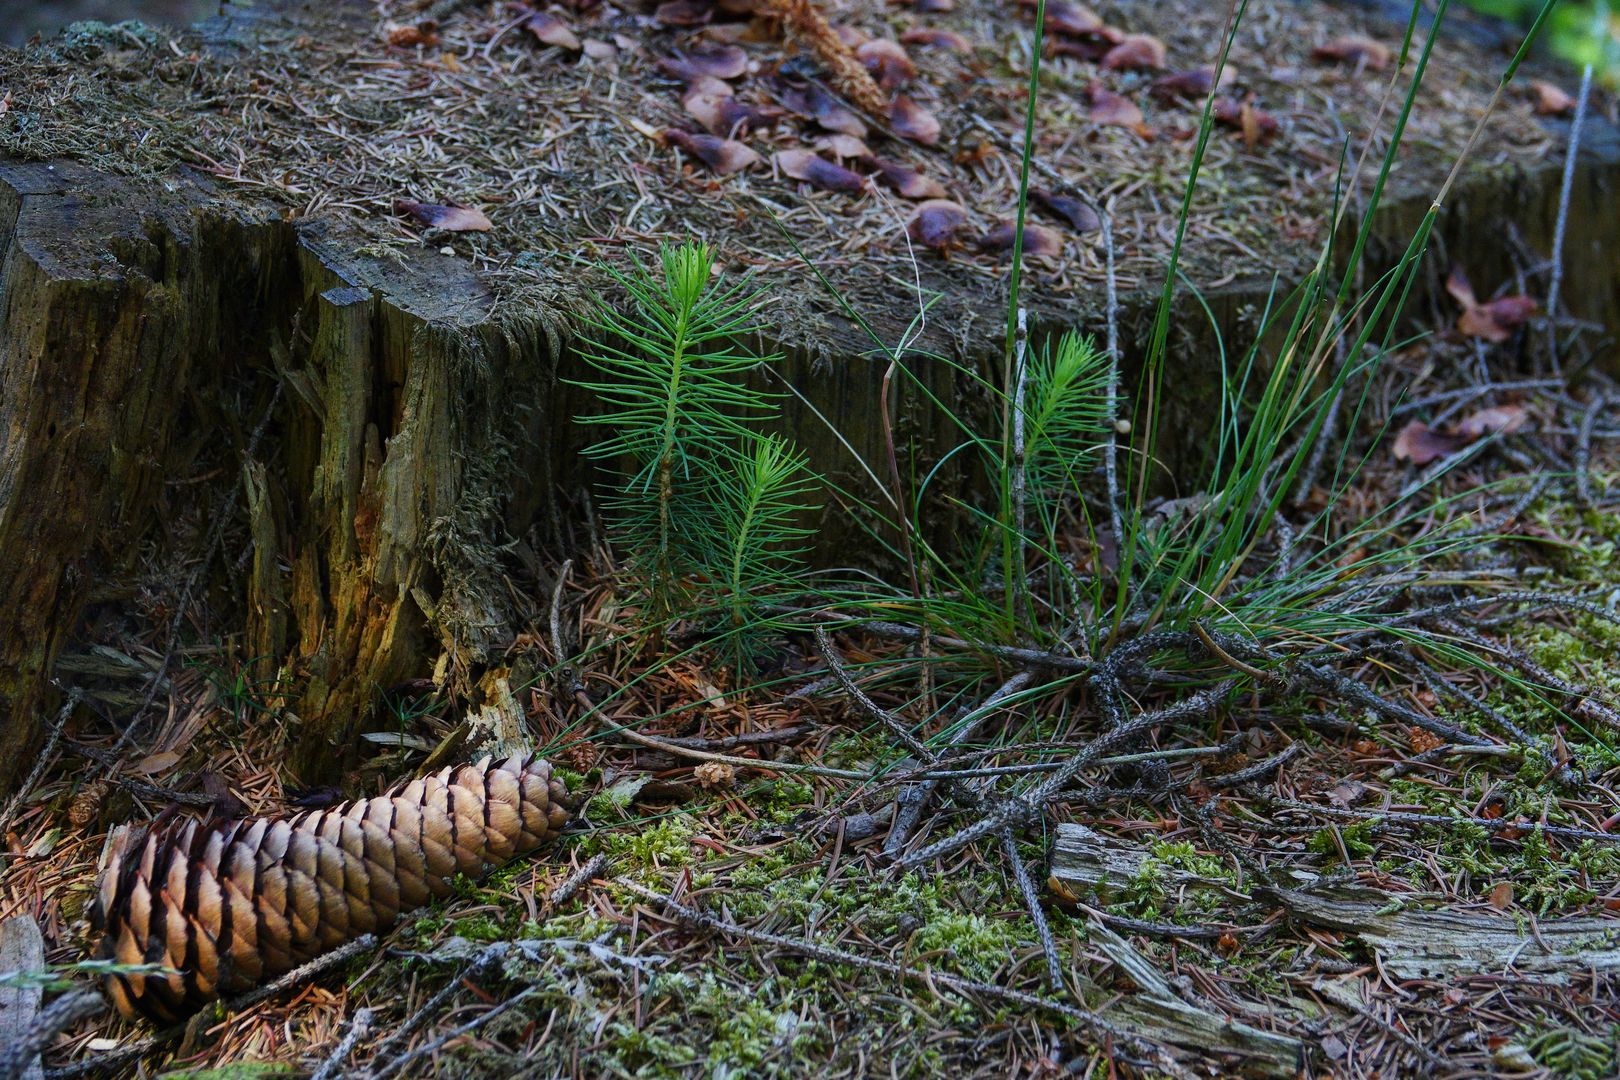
(227, 905)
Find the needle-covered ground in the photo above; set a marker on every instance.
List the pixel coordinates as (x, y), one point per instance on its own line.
(596, 146)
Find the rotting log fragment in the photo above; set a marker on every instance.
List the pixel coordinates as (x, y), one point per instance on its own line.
(1417, 944)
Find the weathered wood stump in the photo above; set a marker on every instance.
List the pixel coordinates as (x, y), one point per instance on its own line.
(198, 234)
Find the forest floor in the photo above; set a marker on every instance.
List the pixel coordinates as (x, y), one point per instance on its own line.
(722, 918)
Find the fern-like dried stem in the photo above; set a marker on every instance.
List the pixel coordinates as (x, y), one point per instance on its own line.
(803, 23)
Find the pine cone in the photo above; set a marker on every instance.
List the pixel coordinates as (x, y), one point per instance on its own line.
(228, 905)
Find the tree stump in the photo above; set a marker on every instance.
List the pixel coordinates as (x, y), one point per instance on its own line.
(201, 255)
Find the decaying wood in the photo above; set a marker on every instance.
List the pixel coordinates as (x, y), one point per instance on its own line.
(22, 950)
(1164, 1016)
(1417, 944)
(230, 905)
(1086, 862)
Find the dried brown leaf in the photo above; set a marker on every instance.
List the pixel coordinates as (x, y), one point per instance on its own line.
(841, 147)
(887, 61)
(936, 39)
(1184, 85)
(550, 30)
(1494, 320)
(818, 171)
(448, 218)
(1108, 107)
(1138, 52)
(717, 62)
(1074, 211)
(935, 223)
(1355, 49)
(911, 121)
(1067, 17)
(906, 181)
(1421, 444)
(597, 49)
(1039, 240)
(684, 12)
(1550, 99)
(724, 156)
(813, 101)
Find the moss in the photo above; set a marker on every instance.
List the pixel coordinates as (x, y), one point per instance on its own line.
(1573, 1054)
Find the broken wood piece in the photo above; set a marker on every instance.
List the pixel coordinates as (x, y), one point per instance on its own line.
(1442, 944)
(22, 951)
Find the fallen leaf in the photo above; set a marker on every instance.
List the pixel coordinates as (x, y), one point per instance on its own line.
(1421, 444)
(1039, 240)
(812, 101)
(409, 36)
(818, 171)
(1504, 419)
(1138, 52)
(1256, 124)
(1184, 85)
(851, 36)
(550, 30)
(1074, 211)
(1355, 49)
(1550, 100)
(721, 113)
(718, 62)
(684, 12)
(906, 181)
(1494, 320)
(724, 156)
(912, 121)
(1108, 107)
(152, 764)
(1088, 49)
(600, 50)
(1501, 895)
(935, 224)
(936, 39)
(448, 218)
(1067, 17)
(887, 61)
(1346, 793)
(842, 147)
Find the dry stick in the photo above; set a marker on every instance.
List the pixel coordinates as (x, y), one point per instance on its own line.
(1583, 448)
(901, 632)
(1111, 447)
(913, 802)
(1571, 153)
(1257, 770)
(22, 1056)
(1015, 572)
(1028, 807)
(827, 954)
(574, 882)
(435, 1045)
(74, 696)
(1387, 818)
(558, 646)
(1585, 698)
(137, 1050)
(359, 1028)
(1032, 901)
(896, 726)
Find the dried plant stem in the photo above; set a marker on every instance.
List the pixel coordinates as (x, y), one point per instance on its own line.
(804, 24)
(1568, 184)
